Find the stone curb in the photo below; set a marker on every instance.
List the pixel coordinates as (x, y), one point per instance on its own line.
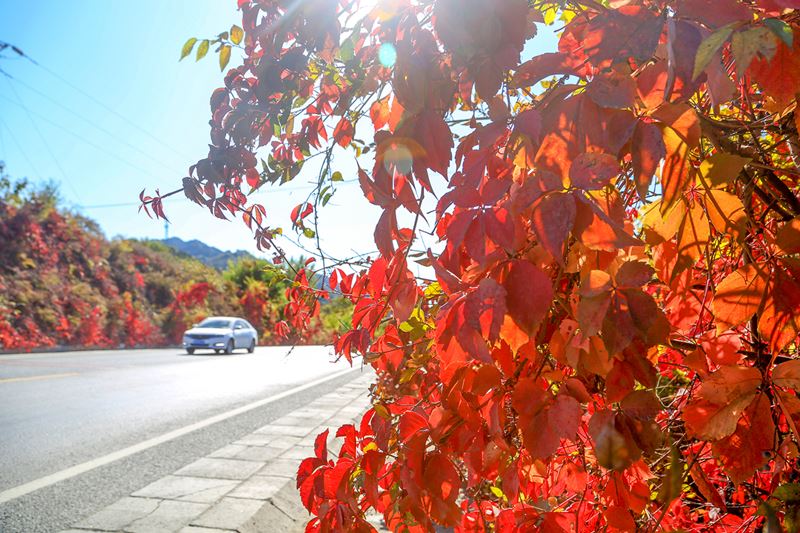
(247, 486)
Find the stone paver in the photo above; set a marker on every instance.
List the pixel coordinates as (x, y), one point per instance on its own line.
(259, 487)
(119, 514)
(228, 513)
(229, 451)
(247, 486)
(214, 467)
(189, 489)
(170, 515)
(298, 453)
(198, 529)
(281, 467)
(289, 431)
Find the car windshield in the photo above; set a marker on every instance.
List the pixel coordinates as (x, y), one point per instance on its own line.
(215, 323)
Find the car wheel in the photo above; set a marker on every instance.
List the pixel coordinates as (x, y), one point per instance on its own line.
(252, 347)
(229, 347)
(190, 351)
(217, 351)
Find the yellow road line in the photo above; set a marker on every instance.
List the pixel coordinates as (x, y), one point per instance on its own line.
(36, 378)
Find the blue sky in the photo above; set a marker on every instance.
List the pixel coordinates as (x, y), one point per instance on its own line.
(110, 111)
(151, 121)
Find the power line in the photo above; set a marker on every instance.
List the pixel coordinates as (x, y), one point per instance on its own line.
(46, 144)
(82, 138)
(108, 108)
(91, 123)
(22, 151)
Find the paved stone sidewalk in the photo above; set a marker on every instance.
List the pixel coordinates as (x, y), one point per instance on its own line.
(246, 486)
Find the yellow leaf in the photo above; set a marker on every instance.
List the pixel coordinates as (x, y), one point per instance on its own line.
(721, 169)
(224, 56)
(726, 212)
(237, 34)
(202, 50)
(187, 47)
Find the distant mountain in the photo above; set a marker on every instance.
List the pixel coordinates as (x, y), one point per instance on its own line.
(213, 257)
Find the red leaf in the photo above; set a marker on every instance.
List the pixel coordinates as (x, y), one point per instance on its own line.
(647, 151)
(410, 425)
(253, 177)
(552, 220)
(343, 133)
(618, 34)
(529, 294)
(542, 66)
(544, 420)
(593, 170)
(321, 446)
(485, 307)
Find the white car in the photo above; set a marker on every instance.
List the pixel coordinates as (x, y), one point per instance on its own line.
(221, 333)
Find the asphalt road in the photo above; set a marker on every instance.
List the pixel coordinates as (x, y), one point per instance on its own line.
(79, 408)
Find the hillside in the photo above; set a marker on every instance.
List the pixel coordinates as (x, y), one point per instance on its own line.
(209, 255)
(62, 283)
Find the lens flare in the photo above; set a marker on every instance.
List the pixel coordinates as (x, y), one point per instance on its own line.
(387, 55)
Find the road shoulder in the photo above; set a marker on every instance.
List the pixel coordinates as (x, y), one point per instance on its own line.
(242, 486)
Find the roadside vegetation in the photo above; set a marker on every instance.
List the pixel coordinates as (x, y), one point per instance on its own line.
(63, 283)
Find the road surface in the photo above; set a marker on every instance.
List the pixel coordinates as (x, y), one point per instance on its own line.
(78, 430)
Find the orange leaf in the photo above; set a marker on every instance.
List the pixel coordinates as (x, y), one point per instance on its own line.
(788, 237)
(780, 75)
(720, 401)
(379, 113)
(681, 133)
(787, 374)
(739, 296)
(779, 320)
(747, 449)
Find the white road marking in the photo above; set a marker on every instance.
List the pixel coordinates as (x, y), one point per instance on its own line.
(46, 481)
(36, 378)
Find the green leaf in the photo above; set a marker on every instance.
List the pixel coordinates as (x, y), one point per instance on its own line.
(745, 45)
(788, 492)
(347, 51)
(236, 34)
(224, 56)
(187, 47)
(337, 176)
(308, 232)
(202, 50)
(781, 29)
(709, 47)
